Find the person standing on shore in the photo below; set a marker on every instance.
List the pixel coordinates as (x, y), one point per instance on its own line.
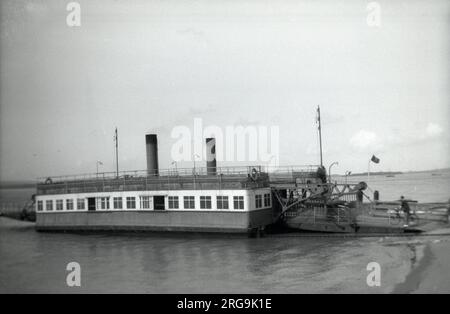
(405, 207)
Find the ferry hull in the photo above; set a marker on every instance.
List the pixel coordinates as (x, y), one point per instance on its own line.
(175, 221)
(327, 227)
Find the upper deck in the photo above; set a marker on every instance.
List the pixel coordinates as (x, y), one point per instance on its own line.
(250, 177)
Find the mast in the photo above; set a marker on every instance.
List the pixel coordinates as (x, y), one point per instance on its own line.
(116, 139)
(320, 135)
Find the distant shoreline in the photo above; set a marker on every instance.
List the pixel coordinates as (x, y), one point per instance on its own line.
(379, 173)
(393, 173)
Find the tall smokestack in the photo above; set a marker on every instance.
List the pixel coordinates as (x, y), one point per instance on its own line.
(211, 165)
(151, 143)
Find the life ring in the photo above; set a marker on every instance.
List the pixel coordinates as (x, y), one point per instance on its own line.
(361, 186)
(48, 181)
(254, 174)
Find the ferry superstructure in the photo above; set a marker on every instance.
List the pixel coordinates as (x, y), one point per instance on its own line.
(205, 199)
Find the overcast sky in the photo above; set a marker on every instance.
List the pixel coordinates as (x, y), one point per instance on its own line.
(148, 66)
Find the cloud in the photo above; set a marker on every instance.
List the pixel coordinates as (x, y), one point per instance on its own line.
(433, 130)
(195, 34)
(364, 139)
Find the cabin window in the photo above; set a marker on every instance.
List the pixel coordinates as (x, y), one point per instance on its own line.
(40, 206)
(145, 202)
(131, 202)
(117, 202)
(189, 202)
(69, 204)
(104, 202)
(80, 203)
(258, 201)
(205, 202)
(49, 204)
(173, 202)
(222, 202)
(91, 203)
(238, 202)
(267, 200)
(59, 205)
(159, 202)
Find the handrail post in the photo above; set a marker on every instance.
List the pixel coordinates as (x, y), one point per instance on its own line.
(389, 217)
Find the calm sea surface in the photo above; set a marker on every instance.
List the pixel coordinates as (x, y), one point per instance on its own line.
(159, 263)
(36, 262)
(421, 186)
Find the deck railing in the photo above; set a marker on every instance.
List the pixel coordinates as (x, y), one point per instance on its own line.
(170, 179)
(183, 172)
(317, 214)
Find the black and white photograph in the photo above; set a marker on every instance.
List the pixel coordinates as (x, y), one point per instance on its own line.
(224, 152)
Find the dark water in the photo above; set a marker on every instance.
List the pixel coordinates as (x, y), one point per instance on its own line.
(16, 195)
(36, 262)
(12, 201)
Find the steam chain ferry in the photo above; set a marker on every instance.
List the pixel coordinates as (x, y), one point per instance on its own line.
(206, 199)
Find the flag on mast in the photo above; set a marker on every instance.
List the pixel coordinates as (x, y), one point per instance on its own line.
(318, 117)
(375, 159)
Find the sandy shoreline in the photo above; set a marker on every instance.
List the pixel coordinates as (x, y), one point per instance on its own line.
(432, 273)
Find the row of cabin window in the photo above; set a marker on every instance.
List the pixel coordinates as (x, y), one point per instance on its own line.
(222, 202)
(102, 203)
(206, 202)
(259, 199)
(145, 202)
(60, 204)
